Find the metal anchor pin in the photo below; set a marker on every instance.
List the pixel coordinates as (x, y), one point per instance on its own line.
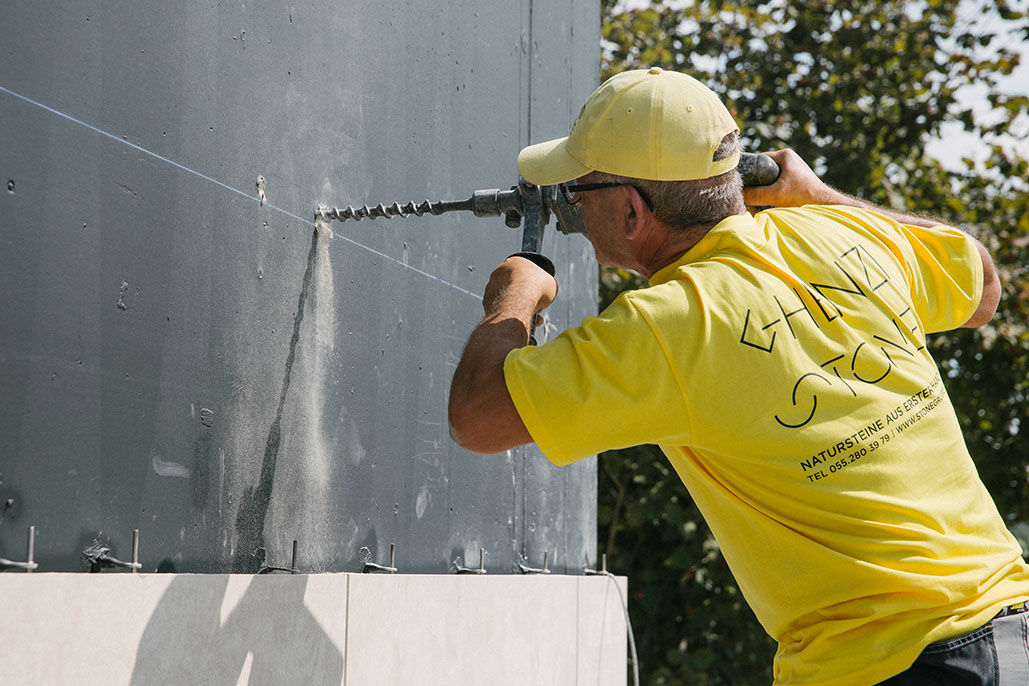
(29, 564)
(97, 556)
(368, 566)
(531, 570)
(292, 569)
(458, 569)
(603, 566)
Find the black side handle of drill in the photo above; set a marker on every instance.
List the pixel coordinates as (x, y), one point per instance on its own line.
(546, 265)
(540, 261)
(757, 170)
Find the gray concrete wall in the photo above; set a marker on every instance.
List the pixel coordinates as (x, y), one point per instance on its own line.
(177, 356)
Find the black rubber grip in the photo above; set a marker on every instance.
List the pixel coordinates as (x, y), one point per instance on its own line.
(757, 170)
(540, 261)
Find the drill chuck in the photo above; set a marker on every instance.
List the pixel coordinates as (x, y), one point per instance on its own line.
(493, 202)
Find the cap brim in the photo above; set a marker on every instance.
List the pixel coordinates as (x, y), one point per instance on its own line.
(550, 163)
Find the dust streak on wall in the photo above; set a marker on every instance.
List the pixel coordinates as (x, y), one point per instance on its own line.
(180, 356)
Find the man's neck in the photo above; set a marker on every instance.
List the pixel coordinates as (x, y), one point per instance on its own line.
(670, 245)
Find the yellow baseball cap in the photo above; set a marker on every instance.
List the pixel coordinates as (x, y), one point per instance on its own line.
(647, 124)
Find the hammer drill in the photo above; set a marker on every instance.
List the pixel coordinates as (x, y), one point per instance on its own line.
(525, 205)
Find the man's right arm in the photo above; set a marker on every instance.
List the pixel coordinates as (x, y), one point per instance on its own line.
(482, 415)
(799, 185)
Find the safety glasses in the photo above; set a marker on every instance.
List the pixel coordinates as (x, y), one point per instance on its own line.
(573, 191)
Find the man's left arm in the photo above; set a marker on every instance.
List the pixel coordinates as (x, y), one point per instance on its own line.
(991, 291)
(991, 283)
(483, 418)
(798, 185)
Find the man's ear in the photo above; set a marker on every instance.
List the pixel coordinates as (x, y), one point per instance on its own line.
(637, 214)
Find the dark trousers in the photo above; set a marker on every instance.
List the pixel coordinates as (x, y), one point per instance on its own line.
(995, 654)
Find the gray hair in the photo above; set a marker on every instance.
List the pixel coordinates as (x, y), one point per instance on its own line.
(683, 205)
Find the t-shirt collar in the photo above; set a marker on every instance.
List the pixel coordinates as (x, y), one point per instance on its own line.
(710, 243)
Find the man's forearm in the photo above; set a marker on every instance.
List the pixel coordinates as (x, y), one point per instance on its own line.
(480, 373)
(835, 197)
(483, 418)
(798, 185)
(482, 415)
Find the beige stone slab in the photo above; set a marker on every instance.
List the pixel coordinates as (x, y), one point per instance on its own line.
(158, 629)
(144, 630)
(603, 641)
(503, 630)
(59, 630)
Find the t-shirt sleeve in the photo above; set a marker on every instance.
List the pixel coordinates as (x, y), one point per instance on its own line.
(942, 264)
(603, 385)
(946, 276)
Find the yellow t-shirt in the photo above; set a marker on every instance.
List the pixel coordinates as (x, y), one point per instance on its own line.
(781, 366)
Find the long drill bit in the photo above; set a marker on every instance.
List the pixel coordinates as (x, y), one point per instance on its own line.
(395, 210)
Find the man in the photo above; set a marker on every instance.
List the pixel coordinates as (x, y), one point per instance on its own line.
(779, 361)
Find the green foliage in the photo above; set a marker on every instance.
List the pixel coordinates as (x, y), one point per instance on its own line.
(857, 88)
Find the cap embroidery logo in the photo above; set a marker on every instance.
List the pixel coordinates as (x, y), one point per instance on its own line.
(578, 117)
